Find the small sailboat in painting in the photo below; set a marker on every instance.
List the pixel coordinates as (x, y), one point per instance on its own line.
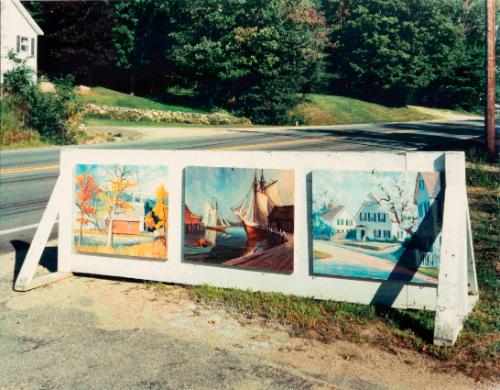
(254, 209)
(212, 220)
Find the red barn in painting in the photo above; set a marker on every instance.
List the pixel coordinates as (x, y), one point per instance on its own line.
(129, 222)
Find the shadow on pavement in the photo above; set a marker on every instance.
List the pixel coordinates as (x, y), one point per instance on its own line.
(48, 260)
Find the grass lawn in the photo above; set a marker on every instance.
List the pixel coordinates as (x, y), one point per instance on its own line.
(477, 351)
(105, 96)
(339, 110)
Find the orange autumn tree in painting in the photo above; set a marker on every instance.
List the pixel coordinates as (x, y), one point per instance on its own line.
(157, 218)
(87, 191)
(113, 196)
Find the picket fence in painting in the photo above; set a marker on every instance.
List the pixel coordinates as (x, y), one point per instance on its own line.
(121, 210)
(377, 225)
(239, 217)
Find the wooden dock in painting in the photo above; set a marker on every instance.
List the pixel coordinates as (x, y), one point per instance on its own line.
(278, 258)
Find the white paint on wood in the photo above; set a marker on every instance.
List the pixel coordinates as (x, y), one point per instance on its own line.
(450, 299)
(16, 21)
(40, 239)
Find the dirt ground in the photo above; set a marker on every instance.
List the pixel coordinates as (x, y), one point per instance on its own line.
(88, 332)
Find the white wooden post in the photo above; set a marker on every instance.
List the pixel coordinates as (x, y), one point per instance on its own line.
(24, 281)
(453, 303)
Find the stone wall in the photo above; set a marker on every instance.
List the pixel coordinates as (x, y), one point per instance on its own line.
(138, 115)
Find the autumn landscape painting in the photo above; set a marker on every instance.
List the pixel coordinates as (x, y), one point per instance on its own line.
(121, 210)
(239, 217)
(377, 225)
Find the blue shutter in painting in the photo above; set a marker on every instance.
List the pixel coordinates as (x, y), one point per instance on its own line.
(18, 44)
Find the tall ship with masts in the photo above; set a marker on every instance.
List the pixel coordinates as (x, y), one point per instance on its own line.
(253, 211)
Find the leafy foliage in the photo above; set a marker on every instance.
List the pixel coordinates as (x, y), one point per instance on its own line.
(390, 49)
(253, 56)
(51, 114)
(86, 197)
(157, 218)
(257, 57)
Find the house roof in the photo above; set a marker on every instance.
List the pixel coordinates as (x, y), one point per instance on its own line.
(332, 212)
(135, 213)
(432, 184)
(370, 198)
(24, 12)
(282, 212)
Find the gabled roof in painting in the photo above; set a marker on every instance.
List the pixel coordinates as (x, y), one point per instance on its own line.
(26, 15)
(432, 184)
(370, 198)
(332, 212)
(135, 213)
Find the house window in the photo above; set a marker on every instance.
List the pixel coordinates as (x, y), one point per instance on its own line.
(374, 217)
(381, 217)
(376, 233)
(387, 234)
(22, 44)
(340, 222)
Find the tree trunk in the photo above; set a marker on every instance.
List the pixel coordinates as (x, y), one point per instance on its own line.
(109, 240)
(81, 233)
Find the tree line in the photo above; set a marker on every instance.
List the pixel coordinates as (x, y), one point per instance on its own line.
(259, 58)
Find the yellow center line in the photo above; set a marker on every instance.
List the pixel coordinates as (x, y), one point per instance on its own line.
(400, 132)
(28, 169)
(301, 141)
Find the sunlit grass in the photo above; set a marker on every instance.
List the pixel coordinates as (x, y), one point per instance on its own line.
(105, 96)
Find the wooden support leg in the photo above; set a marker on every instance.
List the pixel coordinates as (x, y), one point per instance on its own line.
(24, 281)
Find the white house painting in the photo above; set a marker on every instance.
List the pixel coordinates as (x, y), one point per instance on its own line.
(377, 225)
(19, 33)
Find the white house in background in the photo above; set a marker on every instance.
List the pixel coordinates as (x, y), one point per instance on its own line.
(427, 200)
(339, 219)
(374, 222)
(19, 33)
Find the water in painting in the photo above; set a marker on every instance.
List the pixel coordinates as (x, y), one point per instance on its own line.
(121, 210)
(377, 225)
(239, 217)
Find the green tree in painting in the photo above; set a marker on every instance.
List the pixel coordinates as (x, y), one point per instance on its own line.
(157, 218)
(86, 192)
(113, 196)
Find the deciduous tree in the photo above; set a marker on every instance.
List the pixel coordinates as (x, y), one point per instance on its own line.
(157, 218)
(86, 192)
(113, 195)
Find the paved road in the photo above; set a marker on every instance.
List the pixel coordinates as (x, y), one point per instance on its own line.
(28, 176)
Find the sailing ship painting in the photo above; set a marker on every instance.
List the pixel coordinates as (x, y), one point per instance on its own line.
(121, 210)
(239, 217)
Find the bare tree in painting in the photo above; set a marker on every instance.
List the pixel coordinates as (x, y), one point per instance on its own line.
(113, 195)
(397, 196)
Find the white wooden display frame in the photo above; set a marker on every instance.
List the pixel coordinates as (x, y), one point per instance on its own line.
(452, 299)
